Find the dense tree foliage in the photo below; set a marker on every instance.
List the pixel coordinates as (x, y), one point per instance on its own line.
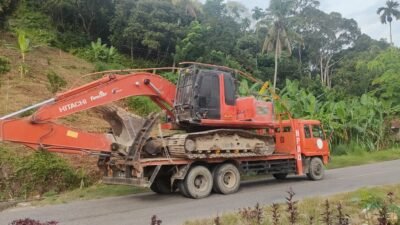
(321, 63)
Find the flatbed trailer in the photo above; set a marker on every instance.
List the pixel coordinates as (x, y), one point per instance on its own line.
(301, 148)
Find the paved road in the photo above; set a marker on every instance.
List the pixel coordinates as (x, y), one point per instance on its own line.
(174, 209)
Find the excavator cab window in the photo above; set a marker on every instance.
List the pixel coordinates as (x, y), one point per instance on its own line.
(199, 94)
(207, 94)
(230, 89)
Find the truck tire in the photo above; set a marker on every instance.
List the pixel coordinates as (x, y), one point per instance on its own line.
(316, 170)
(182, 189)
(280, 176)
(198, 182)
(161, 185)
(226, 179)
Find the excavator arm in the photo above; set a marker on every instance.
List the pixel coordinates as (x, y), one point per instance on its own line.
(39, 130)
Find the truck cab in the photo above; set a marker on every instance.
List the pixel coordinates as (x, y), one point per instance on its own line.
(306, 136)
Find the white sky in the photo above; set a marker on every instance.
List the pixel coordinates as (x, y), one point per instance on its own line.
(363, 11)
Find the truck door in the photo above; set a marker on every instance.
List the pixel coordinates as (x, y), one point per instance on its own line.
(314, 138)
(321, 144)
(307, 139)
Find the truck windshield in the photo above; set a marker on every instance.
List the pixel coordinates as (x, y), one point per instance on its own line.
(317, 132)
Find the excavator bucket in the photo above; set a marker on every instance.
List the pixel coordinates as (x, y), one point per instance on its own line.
(125, 125)
(131, 133)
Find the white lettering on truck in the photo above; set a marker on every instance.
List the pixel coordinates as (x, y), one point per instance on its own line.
(100, 95)
(72, 105)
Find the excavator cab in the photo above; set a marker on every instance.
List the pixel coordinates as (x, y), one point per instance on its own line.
(203, 93)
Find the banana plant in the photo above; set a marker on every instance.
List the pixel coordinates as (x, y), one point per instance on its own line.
(24, 44)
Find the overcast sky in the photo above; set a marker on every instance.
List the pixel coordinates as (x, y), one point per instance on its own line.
(363, 11)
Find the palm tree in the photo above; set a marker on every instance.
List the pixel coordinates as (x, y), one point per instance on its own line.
(387, 13)
(277, 38)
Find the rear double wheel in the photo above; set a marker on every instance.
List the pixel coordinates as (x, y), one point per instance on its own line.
(198, 183)
(226, 179)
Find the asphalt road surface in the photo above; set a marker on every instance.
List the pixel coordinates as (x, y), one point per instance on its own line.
(175, 209)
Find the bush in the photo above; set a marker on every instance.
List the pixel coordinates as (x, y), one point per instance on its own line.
(143, 106)
(4, 65)
(98, 52)
(55, 82)
(37, 25)
(102, 66)
(37, 173)
(172, 77)
(43, 171)
(69, 40)
(28, 221)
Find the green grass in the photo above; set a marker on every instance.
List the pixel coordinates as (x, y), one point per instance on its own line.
(360, 158)
(93, 192)
(355, 204)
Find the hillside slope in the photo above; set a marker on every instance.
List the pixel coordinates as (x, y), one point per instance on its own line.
(17, 92)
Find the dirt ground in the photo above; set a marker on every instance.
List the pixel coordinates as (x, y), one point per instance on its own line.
(17, 92)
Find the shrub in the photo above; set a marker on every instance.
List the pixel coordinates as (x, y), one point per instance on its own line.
(28, 221)
(4, 65)
(172, 77)
(55, 82)
(142, 105)
(43, 171)
(37, 25)
(37, 173)
(97, 52)
(102, 66)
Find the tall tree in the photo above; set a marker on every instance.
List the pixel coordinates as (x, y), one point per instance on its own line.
(192, 7)
(387, 13)
(326, 35)
(278, 39)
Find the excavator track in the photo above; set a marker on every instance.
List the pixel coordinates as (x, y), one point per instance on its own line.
(224, 143)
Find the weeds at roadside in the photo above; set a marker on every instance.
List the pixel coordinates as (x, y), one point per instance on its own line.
(155, 220)
(28, 221)
(382, 209)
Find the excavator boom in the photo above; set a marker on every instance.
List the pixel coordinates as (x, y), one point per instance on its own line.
(39, 130)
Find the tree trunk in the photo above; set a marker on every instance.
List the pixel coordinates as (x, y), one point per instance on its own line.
(321, 65)
(131, 51)
(300, 60)
(390, 28)
(276, 59)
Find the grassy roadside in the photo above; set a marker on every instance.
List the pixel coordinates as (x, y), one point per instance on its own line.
(358, 207)
(360, 158)
(93, 192)
(101, 191)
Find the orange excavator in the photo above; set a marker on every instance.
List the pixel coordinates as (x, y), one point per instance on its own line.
(215, 135)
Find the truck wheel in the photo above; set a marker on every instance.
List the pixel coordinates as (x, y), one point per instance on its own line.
(316, 169)
(226, 179)
(280, 176)
(161, 185)
(198, 182)
(182, 189)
